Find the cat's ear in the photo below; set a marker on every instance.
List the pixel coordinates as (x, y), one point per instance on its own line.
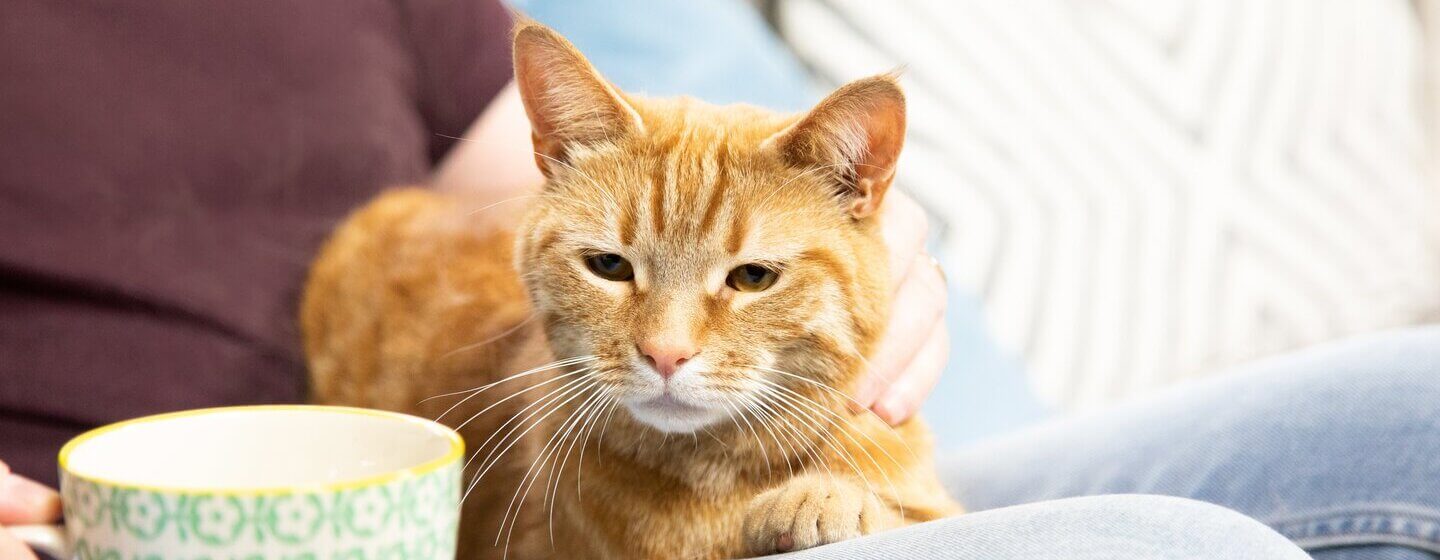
(855, 135)
(569, 104)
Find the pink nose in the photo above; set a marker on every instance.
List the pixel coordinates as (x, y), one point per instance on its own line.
(667, 356)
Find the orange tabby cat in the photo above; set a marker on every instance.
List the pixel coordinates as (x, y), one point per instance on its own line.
(711, 280)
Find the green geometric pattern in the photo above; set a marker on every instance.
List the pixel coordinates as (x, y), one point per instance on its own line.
(414, 518)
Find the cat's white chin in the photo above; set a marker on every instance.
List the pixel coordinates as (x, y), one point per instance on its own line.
(671, 415)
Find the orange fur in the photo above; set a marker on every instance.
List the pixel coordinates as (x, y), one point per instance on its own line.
(413, 297)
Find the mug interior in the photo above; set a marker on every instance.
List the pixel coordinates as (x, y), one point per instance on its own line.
(260, 447)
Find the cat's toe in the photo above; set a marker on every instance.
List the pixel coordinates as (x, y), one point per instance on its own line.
(809, 511)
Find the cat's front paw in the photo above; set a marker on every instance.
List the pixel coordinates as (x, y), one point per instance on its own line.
(812, 510)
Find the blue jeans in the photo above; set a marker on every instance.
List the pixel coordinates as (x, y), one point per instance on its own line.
(1336, 448)
(1118, 527)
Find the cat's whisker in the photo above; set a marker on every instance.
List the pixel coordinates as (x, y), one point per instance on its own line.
(577, 201)
(839, 422)
(781, 407)
(571, 167)
(806, 172)
(530, 196)
(763, 453)
(771, 195)
(834, 443)
(791, 432)
(585, 371)
(749, 403)
(797, 448)
(577, 418)
(488, 386)
(832, 413)
(716, 439)
(505, 333)
(601, 443)
(587, 413)
(593, 183)
(553, 409)
(847, 398)
(504, 201)
(570, 389)
(546, 404)
(804, 441)
(580, 467)
(821, 408)
(552, 452)
(580, 435)
(541, 458)
(542, 400)
(549, 366)
(843, 453)
(546, 452)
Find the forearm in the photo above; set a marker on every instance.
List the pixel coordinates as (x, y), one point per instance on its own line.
(494, 165)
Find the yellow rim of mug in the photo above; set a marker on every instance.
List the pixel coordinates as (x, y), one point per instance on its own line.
(457, 450)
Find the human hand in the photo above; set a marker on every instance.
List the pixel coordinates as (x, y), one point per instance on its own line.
(23, 501)
(912, 353)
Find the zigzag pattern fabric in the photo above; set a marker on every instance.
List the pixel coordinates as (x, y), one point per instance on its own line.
(1147, 190)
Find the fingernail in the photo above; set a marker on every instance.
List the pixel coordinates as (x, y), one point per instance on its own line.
(29, 498)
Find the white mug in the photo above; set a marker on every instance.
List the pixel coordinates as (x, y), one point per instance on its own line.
(259, 483)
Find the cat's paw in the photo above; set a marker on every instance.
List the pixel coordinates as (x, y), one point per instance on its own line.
(813, 510)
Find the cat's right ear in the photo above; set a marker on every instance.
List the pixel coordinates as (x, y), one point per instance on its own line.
(569, 104)
(854, 135)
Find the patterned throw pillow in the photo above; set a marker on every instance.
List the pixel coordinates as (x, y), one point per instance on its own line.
(1144, 190)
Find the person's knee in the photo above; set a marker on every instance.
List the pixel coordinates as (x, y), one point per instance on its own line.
(1375, 390)
(1086, 528)
(1393, 367)
(1173, 527)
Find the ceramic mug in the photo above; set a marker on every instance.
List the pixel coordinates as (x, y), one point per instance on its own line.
(259, 483)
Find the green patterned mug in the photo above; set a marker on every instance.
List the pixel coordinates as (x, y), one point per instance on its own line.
(260, 483)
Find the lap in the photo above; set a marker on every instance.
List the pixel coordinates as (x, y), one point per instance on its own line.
(1333, 446)
(1091, 528)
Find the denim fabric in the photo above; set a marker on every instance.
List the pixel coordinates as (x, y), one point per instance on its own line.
(1088, 528)
(983, 391)
(1336, 447)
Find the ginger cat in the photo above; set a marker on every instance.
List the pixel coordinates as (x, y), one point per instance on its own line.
(654, 365)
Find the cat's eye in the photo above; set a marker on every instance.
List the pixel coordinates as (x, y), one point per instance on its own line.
(751, 278)
(610, 266)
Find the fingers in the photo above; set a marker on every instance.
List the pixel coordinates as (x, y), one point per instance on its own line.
(12, 549)
(915, 314)
(904, 227)
(25, 501)
(901, 399)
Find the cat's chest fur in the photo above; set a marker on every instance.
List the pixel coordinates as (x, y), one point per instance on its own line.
(642, 513)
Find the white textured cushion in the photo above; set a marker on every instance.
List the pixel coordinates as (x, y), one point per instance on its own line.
(1143, 190)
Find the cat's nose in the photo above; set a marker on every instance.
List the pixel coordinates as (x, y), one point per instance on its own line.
(666, 356)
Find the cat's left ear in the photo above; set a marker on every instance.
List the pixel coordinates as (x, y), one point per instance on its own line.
(856, 134)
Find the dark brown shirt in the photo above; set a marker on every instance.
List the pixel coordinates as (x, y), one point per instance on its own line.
(167, 170)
